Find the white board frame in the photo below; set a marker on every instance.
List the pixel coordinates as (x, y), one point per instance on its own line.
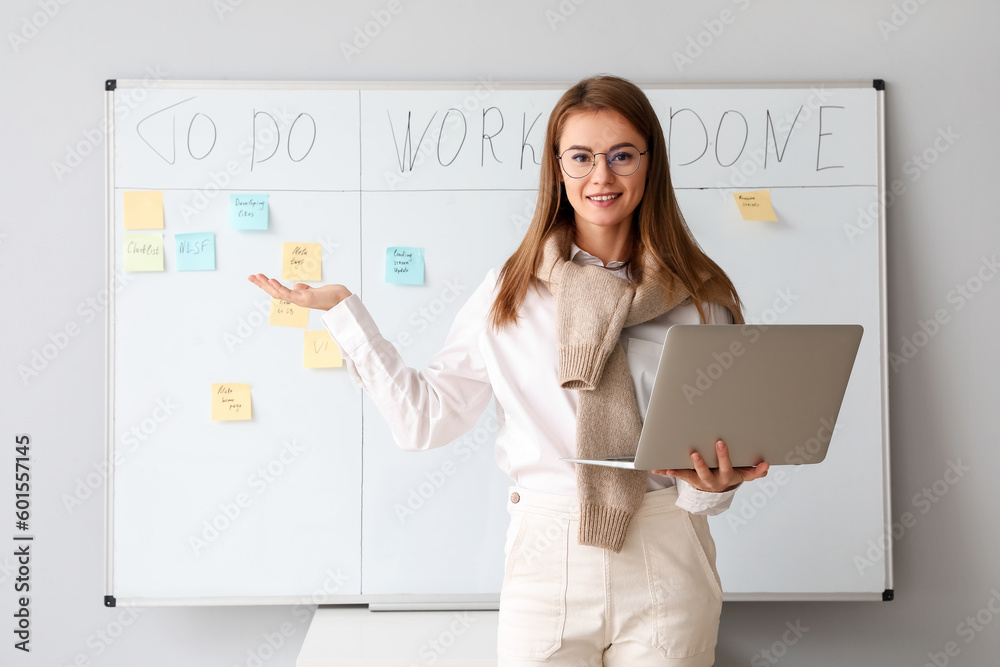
(461, 601)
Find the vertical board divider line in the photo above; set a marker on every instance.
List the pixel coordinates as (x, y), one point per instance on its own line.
(361, 291)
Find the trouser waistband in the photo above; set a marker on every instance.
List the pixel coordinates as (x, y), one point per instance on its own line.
(529, 500)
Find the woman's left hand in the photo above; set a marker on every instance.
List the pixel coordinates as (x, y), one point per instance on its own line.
(717, 480)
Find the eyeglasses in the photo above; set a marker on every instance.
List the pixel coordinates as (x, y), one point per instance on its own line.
(579, 162)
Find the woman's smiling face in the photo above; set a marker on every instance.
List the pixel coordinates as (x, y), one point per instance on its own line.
(602, 198)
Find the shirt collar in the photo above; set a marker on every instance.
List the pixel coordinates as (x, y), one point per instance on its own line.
(581, 256)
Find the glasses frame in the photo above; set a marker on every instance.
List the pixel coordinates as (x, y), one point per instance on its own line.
(594, 163)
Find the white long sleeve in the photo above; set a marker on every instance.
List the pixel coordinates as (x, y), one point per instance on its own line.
(427, 408)
(519, 367)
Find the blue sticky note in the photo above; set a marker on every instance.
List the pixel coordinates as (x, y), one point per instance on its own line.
(247, 211)
(404, 266)
(195, 252)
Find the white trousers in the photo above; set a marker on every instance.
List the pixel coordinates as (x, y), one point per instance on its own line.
(657, 602)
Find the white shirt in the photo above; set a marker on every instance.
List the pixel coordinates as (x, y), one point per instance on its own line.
(519, 366)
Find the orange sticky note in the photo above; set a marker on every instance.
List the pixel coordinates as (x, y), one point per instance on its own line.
(756, 205)
(230, 401)
(321, 351)
(301, 261)
(143, 209)
(285, 314)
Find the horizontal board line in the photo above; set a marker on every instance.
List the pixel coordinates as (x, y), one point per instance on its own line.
(777, 187)
(363, 191)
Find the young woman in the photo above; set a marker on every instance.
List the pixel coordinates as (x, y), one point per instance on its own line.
(603, 565)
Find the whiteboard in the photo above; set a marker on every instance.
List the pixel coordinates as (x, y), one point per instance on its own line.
(310, 501)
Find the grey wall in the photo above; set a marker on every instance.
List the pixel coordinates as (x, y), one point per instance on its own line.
(940, 61)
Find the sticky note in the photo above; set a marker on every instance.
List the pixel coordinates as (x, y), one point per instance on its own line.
(248, 211)
(321, 351)
(143, 252)
(284, 314)
(196, 251)
(301, 261)
(143, 209)
(230, 401)
(756, 205)
(404, 266)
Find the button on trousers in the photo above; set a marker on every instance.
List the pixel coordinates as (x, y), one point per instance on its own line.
(657, 602)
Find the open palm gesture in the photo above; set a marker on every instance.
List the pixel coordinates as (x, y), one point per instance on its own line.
(324, 297)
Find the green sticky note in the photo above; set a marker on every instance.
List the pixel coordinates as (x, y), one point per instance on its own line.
(143, 252)
(248, 211)
(404, 266)
(196, 251)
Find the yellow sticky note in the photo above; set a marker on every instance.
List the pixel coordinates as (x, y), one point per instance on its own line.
(756, 205)
(284, 314)
(143, 252)
(321, 351)
(143, 209)
(230, 401)
(301, 261)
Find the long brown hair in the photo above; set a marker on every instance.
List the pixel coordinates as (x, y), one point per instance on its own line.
(658, 228)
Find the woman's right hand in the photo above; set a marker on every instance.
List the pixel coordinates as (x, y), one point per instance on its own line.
(324, 297)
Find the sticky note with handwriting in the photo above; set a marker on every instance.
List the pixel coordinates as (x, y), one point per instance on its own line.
(302, 261)
(195, 251)
(756, 205)
(321, 351)
(285, 314)
(230, 401)
(404, 266)
(248, 211)
(143, 252)
(143, 209)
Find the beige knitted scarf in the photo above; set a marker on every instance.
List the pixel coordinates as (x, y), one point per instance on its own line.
(592, 307)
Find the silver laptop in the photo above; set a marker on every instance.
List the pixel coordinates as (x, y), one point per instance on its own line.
(772, 393)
